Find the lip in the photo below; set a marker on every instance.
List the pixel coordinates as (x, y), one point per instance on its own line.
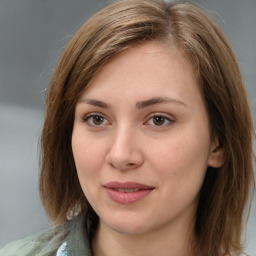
(130, 197)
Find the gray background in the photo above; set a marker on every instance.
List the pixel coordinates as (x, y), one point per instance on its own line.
(33, 34)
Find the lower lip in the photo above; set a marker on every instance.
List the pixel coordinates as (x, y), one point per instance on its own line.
(127, 198)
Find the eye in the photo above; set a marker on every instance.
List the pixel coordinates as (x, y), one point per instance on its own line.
(95, 120)
(160, 120)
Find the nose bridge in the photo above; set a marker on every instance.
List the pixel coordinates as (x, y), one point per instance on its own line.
(124, 151)
(123, 146)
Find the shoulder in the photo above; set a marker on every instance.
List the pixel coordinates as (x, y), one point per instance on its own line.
(66, 239)
(37, 244)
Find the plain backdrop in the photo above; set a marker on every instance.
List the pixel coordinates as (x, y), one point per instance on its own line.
(33, 35)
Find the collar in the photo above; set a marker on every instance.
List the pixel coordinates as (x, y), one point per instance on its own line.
(77, 241)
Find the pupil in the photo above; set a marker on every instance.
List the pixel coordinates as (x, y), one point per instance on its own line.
(159, 120)
(98, 120)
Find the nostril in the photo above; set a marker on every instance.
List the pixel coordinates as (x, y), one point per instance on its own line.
(124, 160)
(123, 166)
(131, 164)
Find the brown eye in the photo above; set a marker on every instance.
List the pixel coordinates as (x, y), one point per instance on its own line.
(159, 120)
(95, 120)
(98, 120)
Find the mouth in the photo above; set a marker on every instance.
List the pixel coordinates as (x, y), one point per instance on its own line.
(128, 192)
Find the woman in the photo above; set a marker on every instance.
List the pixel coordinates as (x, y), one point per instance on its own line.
(147, 140)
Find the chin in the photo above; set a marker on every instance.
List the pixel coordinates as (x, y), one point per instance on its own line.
(127, 225)
(129, 229)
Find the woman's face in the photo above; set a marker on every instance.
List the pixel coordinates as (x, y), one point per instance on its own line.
(141, 141)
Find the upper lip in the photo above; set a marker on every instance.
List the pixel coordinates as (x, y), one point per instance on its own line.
(126, 185)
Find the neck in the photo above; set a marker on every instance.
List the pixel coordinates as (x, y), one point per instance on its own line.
(175, 241)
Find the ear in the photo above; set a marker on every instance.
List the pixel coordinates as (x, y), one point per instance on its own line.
(216, 156)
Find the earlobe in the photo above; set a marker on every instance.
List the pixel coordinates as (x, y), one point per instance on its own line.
(216, 157)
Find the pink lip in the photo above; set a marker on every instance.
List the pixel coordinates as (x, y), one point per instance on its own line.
(127, 197)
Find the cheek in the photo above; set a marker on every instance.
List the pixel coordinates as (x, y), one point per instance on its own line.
(89, 158)
(180, 155)
(182, 160)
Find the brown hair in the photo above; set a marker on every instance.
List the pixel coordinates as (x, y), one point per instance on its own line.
(226, 190)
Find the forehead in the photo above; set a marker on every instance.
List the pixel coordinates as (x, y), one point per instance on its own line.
(152, 54)
(143, 70)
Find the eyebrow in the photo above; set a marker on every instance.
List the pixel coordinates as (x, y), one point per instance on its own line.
(158, 100)
(139, 104)
(96, 103)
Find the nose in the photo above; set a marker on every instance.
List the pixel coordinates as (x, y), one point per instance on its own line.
(125, 152)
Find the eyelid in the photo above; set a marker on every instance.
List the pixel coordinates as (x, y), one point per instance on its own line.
(86, 117)
(168, 117)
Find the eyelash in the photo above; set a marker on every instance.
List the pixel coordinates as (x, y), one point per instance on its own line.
(89, 120)
(90, 117)
(164, 117)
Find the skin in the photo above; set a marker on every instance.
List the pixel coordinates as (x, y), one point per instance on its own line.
(165, 144)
